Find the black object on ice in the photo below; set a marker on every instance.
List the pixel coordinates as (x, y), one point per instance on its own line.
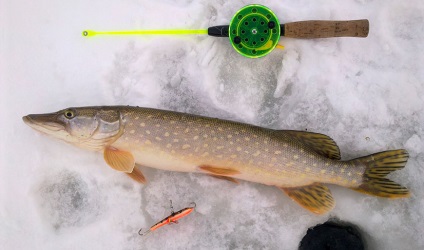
(332, 235)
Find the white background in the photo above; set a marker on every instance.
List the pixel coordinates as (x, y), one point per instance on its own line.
(367, 94)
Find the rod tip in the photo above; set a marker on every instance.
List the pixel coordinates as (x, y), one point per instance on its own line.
(88, 33)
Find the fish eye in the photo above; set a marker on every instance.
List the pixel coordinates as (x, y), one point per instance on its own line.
(69, 114)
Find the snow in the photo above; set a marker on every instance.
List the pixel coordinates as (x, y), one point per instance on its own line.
(367, 94)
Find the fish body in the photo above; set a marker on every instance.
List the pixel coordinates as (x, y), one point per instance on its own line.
(181, 142)
(297, 162)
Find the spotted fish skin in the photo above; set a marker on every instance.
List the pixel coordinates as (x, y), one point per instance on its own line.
(182, 142)
(297, 162)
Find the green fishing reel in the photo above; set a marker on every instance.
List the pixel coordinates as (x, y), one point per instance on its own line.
(255, 31)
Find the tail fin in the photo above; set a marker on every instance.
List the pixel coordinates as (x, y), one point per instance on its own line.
(378, 166)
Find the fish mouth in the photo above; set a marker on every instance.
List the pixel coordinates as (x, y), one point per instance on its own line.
(43, 123)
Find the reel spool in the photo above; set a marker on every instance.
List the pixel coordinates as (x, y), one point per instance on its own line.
(254, 31)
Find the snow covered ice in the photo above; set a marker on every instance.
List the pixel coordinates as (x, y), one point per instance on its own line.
(367, 94)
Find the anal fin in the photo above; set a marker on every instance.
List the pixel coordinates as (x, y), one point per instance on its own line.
(316, 198)
(119, 160)
(225, 178)
(137, 175)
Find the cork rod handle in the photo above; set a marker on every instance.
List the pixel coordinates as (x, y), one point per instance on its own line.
(324, 29)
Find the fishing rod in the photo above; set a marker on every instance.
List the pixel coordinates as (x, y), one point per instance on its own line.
(254, 30)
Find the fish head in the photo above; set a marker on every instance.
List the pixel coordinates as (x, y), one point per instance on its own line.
(89, 127)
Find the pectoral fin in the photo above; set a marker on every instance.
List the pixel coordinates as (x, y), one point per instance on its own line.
(225, 178)
(219, 171)
(119, 160)
(137, 175)
(316, 198)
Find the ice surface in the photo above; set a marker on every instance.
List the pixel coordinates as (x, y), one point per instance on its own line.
(367, 94)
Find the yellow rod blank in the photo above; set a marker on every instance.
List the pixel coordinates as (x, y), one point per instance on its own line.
(145, 32)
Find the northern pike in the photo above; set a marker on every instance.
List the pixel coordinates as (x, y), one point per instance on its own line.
(299, 163)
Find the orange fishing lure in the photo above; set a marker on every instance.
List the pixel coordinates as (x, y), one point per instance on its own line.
(172, 219)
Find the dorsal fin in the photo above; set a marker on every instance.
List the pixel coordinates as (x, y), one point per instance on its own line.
(319, 143)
